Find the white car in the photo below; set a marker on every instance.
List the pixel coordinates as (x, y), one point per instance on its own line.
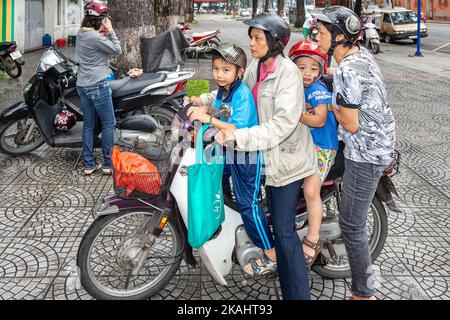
(245, 13)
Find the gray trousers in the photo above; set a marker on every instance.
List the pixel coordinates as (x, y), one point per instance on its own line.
(358, 189)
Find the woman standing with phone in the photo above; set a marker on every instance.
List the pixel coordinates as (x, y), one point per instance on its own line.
(93, 52)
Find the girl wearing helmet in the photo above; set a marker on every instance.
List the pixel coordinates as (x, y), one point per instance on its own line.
(228, 63)
(322, 123)
(367, 127)
(93, 51)
(289, 153)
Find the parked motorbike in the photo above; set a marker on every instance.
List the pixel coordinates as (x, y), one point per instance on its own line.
(200, 43)
(11, 59)
(26, 125)
(136, 244)
(369, 37)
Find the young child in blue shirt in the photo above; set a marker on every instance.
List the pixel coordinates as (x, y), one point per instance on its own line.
(322, 123)
(228, 63)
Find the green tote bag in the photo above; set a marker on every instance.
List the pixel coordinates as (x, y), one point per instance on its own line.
(205, 196)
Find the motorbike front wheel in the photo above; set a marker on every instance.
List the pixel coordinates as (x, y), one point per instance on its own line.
(119, 260)
(12, 68)
(375, 47)
(14, 140)
(333, 263)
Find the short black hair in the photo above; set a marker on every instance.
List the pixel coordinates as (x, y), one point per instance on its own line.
(92, 22)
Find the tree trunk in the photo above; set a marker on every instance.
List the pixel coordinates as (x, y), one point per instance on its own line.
(300, 19)
(145, 18)
(358, 7)
(189, 14)
(266, 5)
(280, 5)
(254, 7)
(129, 27)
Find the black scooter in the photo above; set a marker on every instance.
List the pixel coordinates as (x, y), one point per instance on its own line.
(26, 125)
(11, 59)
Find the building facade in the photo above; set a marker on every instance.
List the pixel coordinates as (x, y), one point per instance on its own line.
(432, 9)
(27, 21)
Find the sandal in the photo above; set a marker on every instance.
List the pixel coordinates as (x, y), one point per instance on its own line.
(107, 171)
(268, 267)
(317, 248)
(88, 172)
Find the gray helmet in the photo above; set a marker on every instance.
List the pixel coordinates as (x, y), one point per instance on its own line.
(272, 23)
(231, 53)
(343, 19)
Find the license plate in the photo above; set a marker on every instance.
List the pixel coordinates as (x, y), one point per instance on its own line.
(413, 37)
(15, 55)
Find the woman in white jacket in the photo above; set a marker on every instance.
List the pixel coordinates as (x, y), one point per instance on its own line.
(289, 154)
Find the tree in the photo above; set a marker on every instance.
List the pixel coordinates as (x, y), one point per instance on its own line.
(266, 5)
(358, 7)
(254, 7)
(300, 18)
(280, 5)
(144, 18)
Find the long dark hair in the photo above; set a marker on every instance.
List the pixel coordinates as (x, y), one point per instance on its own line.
(92, 22)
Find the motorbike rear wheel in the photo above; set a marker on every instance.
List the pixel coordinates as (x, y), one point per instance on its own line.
(338, 267)
(114, 245)
(12, 68)
(12, 137)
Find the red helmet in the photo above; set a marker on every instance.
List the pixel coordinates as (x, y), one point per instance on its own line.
(308, 48)
(96, 9)
(65, 120)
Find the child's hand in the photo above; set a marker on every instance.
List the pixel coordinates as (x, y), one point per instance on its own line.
(107, 24)
(330, 71)
(196, 100)
(198, 113)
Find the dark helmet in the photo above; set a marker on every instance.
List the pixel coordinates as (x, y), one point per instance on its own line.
(276, 27)
(96, 9)
(343, 21)
(65, 120)
(232, 53)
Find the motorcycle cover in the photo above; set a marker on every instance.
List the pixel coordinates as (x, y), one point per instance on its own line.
(163, 52)
(206, 210)
(135, 172)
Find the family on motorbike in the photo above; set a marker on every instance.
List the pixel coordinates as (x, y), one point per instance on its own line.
(285, 119)
(283, 132)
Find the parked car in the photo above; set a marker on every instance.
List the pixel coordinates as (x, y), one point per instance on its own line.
(398, 23)
(245, 13)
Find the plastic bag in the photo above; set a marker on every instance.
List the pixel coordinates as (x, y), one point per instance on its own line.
(134, 172)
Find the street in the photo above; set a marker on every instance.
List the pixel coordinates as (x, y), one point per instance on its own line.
(46, 206)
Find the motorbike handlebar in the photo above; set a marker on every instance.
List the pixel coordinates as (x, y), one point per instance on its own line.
(73, 61)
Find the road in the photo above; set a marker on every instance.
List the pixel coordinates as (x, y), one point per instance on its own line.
(438, 38)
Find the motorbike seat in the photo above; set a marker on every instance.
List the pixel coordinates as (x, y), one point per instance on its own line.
(203, 34)
(5, 45)
(128, 85)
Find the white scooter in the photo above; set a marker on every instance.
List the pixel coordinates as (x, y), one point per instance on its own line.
(137, 242)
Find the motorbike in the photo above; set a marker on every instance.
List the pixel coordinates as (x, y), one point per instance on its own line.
(11, 59)
(200, 43)
(370, 37)
(136, 244)
(28, 124)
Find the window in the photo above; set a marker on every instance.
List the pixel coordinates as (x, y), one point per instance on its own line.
(387, 18)
(404, 17)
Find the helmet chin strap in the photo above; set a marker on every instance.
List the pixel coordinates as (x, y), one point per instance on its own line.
(334, 43)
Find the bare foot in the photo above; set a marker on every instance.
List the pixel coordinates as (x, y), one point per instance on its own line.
(353, 297)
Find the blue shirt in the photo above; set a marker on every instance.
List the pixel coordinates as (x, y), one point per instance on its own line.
(325, 137)
(242, 104)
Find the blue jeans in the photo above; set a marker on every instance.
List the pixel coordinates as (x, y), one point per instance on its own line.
(358, 189)
(96, 101)
(291, 263)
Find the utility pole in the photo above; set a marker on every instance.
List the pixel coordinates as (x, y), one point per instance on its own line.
(419, 7)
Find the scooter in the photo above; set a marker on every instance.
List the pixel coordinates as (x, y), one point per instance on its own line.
(145, 237)
(200, 43)
(370, 37)
(11, 59)
(26, 125)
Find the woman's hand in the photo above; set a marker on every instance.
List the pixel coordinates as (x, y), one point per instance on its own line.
(224, 136)
(199, 113)
(196, 100)
(107, 24)
(330, 71)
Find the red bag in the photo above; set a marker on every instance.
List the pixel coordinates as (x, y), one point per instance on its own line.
(135, 172)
